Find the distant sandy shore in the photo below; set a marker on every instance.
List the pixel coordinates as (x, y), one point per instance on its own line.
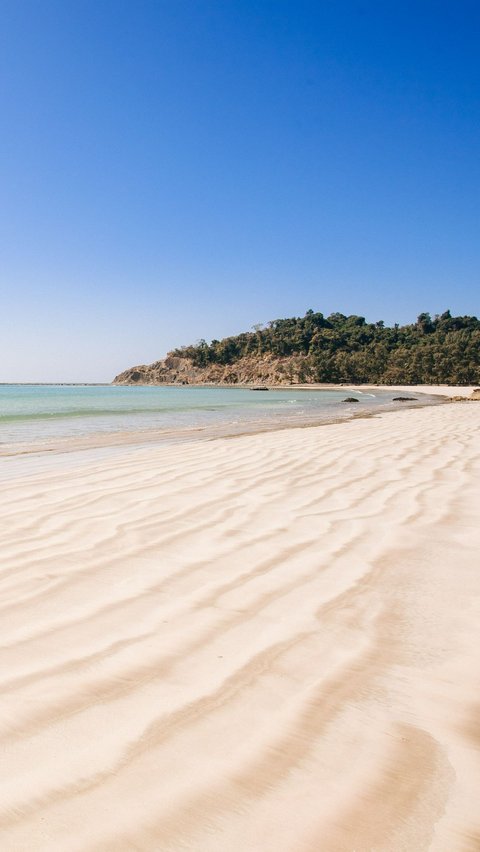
(266, 643)
(434, 390)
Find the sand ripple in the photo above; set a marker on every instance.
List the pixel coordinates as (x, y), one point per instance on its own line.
(262, 643)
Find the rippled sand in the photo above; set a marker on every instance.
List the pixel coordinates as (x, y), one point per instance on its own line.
(268, 642)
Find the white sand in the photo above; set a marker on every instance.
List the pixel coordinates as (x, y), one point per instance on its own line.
(433, 390)
(256, 644)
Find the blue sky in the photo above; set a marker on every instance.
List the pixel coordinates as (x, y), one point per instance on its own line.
(177, 170)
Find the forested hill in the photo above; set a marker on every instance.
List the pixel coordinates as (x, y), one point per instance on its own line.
(337, 348)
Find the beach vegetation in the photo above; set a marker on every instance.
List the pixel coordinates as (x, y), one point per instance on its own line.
(339, 348)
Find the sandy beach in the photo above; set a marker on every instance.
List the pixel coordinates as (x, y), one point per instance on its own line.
(264, 643)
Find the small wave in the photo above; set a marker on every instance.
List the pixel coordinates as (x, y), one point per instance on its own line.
(362, 393)
(74, 413)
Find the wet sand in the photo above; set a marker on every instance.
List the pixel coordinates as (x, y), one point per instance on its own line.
(266, 642)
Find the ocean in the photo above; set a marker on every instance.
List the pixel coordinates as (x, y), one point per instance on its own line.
(45, 414)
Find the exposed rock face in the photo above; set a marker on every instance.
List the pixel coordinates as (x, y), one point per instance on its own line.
(266, 370)
(176, 370)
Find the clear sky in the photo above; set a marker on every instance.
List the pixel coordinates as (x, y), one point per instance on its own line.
(177, 169)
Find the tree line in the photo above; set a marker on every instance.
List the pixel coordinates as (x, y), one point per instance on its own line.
(339, 348)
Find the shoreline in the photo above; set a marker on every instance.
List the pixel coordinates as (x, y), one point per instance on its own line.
(441, 390)
(274, 641)
(151, 436)
(437, 390)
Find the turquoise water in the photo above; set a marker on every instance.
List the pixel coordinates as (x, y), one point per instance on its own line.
(42, 413)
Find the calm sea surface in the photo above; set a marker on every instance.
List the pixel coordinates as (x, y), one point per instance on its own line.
(44, 413)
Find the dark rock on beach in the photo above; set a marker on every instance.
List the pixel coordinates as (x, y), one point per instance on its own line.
(350, 399)
(404, 399)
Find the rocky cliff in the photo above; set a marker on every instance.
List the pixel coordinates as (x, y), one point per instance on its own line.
(249, 370)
